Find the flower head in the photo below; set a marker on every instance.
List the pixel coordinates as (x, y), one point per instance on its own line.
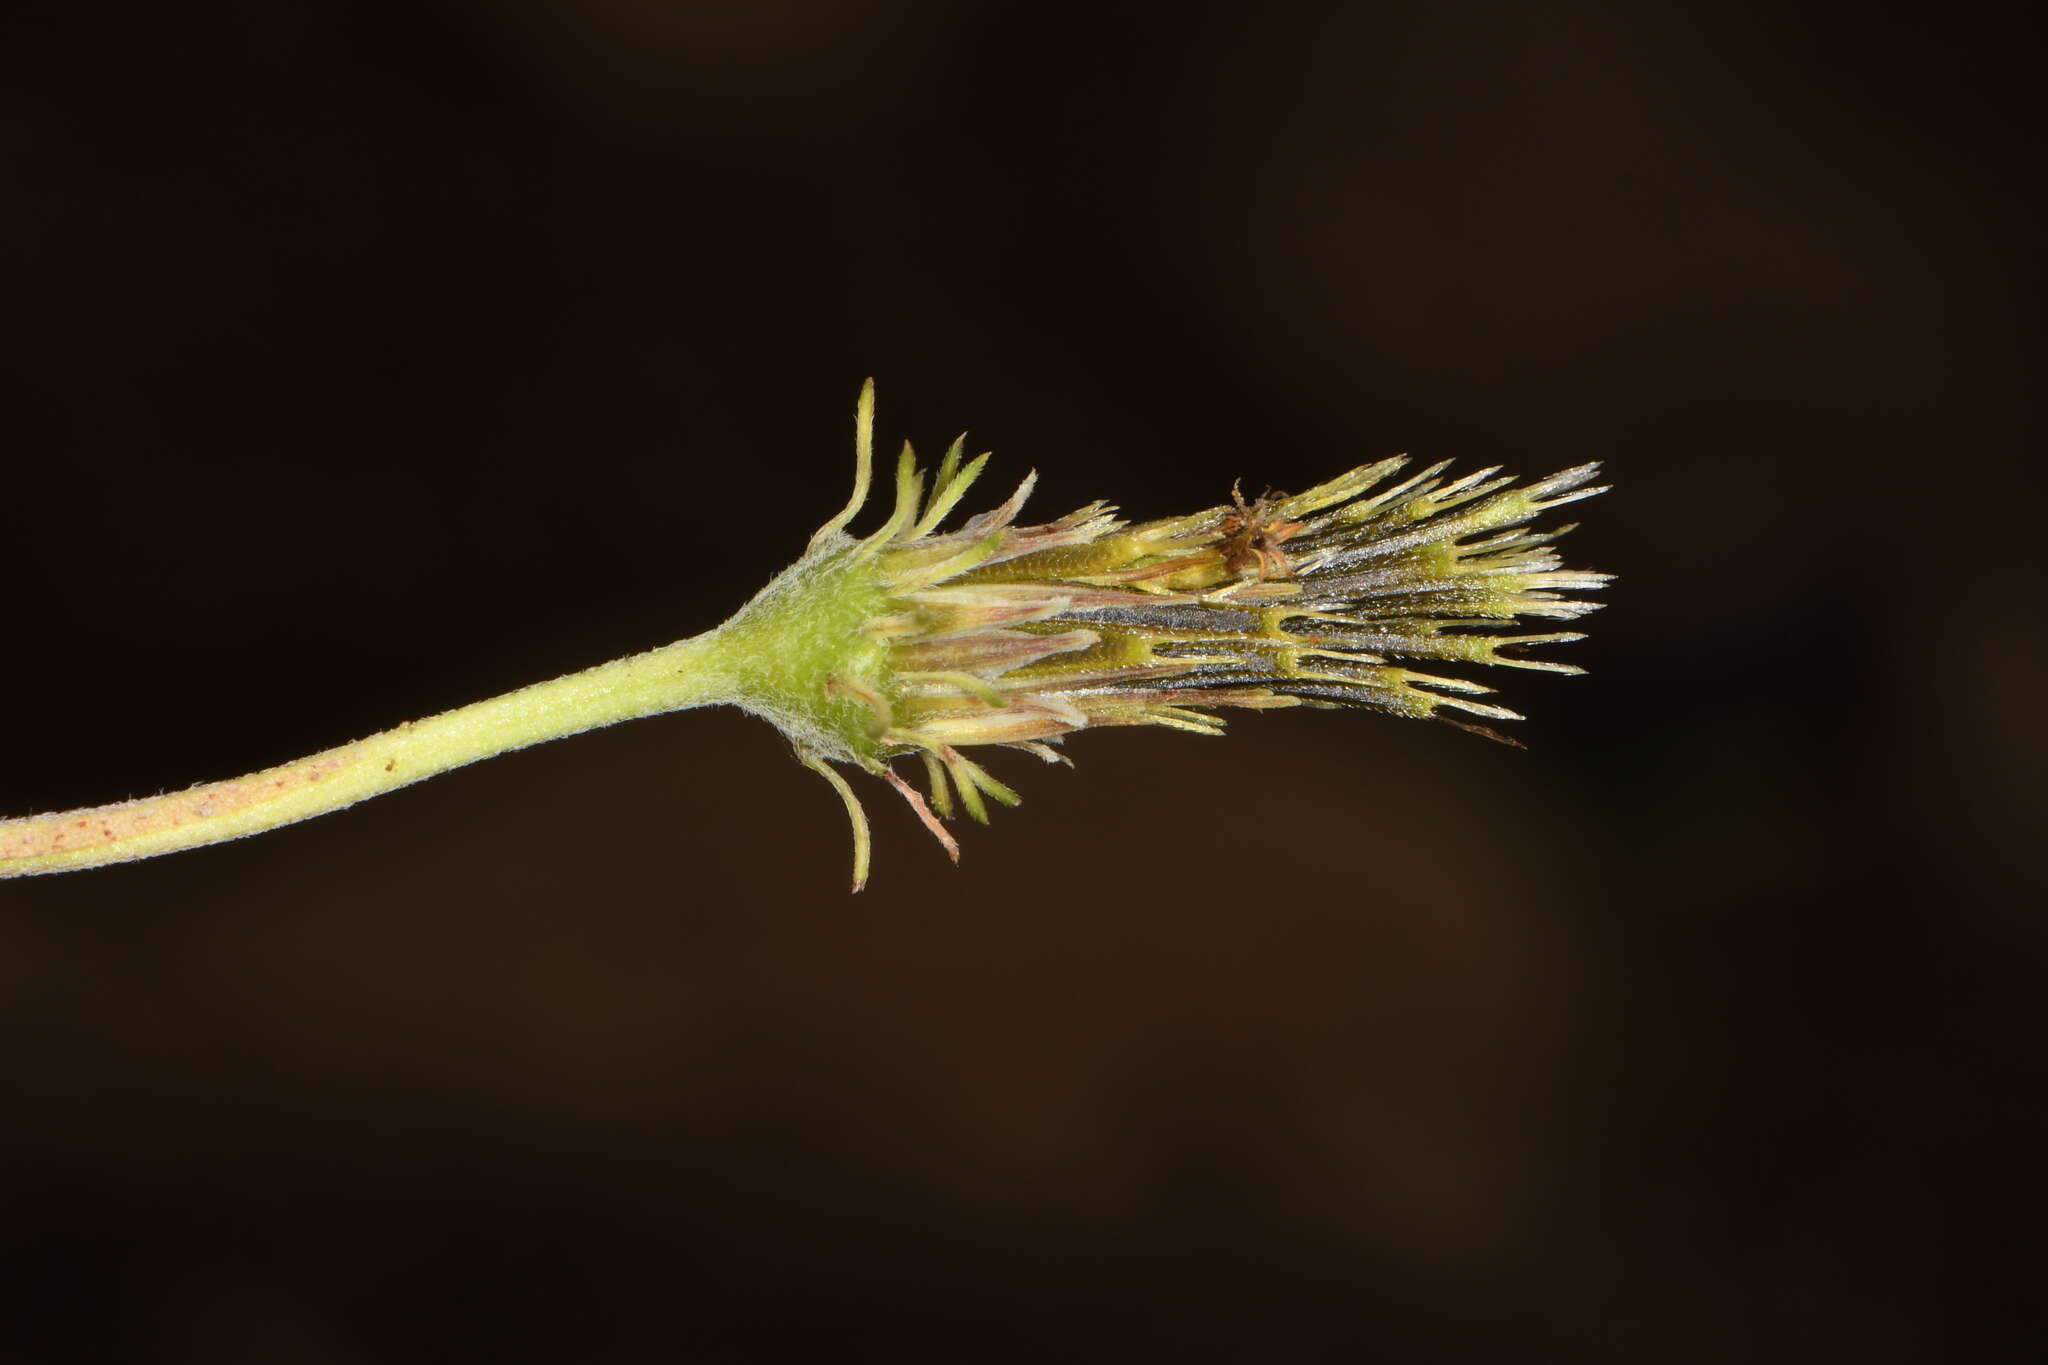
(1355, 593)
(921, 640)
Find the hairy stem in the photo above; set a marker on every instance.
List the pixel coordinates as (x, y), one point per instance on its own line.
(688, 673)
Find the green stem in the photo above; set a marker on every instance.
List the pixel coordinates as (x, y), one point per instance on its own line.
(694, 672)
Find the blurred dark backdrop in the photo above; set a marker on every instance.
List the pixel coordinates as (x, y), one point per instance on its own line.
(364, 359)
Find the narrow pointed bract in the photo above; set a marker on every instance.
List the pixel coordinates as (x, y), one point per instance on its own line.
(1354, 593)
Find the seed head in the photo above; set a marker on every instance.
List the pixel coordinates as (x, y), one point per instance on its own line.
(1355, 593)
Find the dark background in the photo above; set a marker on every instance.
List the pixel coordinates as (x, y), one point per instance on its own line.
(360, 360)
